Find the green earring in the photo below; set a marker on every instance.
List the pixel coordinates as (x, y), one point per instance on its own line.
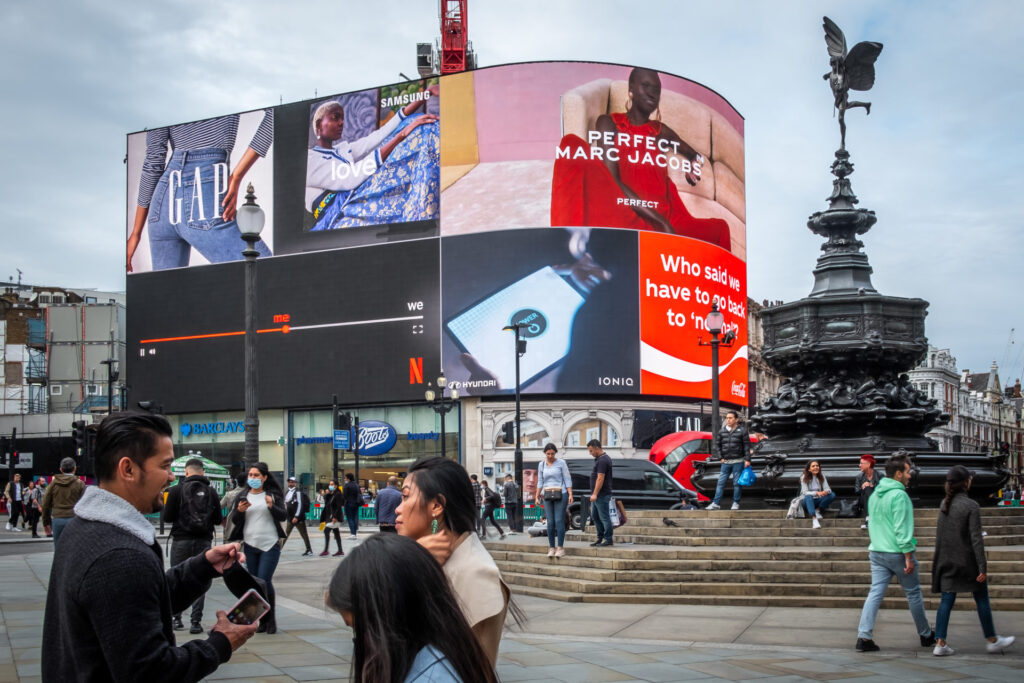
(433, 526)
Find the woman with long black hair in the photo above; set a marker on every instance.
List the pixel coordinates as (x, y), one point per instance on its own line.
(257, 516)
(407, 622)
(959, 565)
(437, 510)
(330, 516)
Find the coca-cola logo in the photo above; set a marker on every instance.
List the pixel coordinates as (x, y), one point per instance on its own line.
(376, 437)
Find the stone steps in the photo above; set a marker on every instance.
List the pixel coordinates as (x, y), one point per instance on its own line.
(744, 557)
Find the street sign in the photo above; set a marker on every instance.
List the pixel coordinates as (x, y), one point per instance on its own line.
(342, 439)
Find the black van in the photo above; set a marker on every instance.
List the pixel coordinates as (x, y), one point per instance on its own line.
(639, 484)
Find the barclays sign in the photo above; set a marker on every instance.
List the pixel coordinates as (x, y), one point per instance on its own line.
(376, 437)
(202, 428)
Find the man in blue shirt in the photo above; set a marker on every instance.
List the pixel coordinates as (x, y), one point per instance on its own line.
(388, 500)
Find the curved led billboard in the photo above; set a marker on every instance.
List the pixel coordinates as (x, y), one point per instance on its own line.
(599, 206)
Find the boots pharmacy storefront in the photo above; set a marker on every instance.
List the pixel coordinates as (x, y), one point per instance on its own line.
(393, 438)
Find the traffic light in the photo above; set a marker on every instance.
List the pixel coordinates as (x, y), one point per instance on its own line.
(78, 436)
(344, 420)
(508, 433)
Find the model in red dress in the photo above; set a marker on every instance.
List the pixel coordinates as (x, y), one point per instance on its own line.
(619, 177)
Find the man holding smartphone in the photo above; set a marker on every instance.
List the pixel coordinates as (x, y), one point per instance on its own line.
(110, 601)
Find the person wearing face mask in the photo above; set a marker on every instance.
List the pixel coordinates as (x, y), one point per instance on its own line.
(330, 515)
(257, 516)
(296, 503)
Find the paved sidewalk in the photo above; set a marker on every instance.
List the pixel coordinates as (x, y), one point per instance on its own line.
(564, 642)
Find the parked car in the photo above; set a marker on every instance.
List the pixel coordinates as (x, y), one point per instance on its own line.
(676, 453)
(639, 484)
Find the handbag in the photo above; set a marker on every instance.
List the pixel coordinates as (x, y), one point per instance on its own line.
(847, 508)
(553, 495)
(747, 477)
(323, 525)
(621, 509)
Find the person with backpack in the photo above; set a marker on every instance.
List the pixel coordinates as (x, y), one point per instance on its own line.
(193, 509)
(492, 499)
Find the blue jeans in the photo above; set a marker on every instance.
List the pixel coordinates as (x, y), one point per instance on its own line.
(196, 215)
(884, 566)
(602, 517)
(984, 613)
(352, 517)
(734, 470)
(58, 525)
(554, 510)
(822, 502)
(263, 563)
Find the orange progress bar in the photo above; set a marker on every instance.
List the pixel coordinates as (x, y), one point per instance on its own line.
(283, 329)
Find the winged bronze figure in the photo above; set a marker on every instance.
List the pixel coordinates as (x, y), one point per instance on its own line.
(850, 71)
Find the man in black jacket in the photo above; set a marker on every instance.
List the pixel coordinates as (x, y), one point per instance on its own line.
(296, 504)
(353, 498)
(734, 453)
(192, 509)
(109, 602)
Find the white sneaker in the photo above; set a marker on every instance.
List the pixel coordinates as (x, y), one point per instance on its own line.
(353, 538)
(817, 515)
(1002, 642)
(815, 524)
(15, 529)
(943, 650)
(735, 506)
(551, 552)
(713, 506)
(8, 526)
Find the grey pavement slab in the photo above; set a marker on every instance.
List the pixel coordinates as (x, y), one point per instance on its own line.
(563, 642)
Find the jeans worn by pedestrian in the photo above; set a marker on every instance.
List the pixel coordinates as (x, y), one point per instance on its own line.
(819, 502)
(352, 517)
(191, 216)
(263, 564)
(884, 566)
(554, 512)
(58, 526)
(729, 470)
(602, 516)
(981, 600)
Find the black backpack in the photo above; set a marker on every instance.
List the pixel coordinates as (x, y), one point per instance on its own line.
(494, 498)
(196, 511)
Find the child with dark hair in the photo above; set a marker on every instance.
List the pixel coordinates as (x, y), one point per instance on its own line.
(407, 622)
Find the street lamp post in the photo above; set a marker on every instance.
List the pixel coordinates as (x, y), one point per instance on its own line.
(250, 219)
(520, 349)
(713, 323)
(112, 375)
(442, 404)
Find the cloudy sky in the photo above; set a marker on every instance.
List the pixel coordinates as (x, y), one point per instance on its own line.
(938, 159)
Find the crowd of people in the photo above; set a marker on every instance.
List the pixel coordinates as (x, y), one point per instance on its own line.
(424, 598)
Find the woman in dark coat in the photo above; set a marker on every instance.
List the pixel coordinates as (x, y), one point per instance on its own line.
(958, 565)
(331, 515)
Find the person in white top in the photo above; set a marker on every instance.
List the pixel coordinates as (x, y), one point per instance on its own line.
(815, 493)
(257, 518)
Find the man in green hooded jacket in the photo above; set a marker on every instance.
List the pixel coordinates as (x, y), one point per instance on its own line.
(892, 552)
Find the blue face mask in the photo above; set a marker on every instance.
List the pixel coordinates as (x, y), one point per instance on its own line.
(256, 483)
(331, 487)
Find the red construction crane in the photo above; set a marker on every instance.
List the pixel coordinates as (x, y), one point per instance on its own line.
(454, 36)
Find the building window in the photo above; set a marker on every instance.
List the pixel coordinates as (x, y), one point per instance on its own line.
(92, 389)
(592, 428)
(90, 299)
(56, 390)
(58, 299)
(534, 436)
(44, 298)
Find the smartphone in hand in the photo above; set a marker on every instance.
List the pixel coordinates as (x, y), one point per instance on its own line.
(249, 608)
